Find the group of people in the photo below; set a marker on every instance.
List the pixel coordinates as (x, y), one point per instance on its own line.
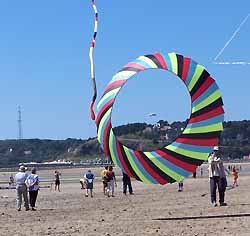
(26, 183)
(108, 180)
(29, 183)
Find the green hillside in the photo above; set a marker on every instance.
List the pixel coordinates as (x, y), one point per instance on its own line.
(234, 142)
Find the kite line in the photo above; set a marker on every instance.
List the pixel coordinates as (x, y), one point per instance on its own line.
(228, 42)
(91, 59)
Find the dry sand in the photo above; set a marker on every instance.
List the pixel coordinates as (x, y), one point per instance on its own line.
(70, 213)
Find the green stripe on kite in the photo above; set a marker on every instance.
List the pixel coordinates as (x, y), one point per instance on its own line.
(213, 97)
(135, 168)
(163, 167)
(194, 155)
(111, 148)
(198, 71)
(204, 129)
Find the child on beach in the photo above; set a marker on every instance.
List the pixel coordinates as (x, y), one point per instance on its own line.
(180, 186)
(235, 176)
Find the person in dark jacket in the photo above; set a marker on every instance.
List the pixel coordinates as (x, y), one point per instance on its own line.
(126, 183)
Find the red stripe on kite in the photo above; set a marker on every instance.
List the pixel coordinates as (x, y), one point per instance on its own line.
(217, 111)
(161, 60)
(106, 138)
(123, 163)
(134, 65)
(149, 169)
(182, 164)
(115, 83)
(198, 142)
(186, 64)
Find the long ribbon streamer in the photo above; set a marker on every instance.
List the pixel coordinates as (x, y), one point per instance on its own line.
(91, 59)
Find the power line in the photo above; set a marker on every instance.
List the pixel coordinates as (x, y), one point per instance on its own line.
(19, 122)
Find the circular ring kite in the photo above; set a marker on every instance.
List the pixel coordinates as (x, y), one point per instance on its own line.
(179, 159)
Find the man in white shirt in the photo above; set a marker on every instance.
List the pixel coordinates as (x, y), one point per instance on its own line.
(217, 177)
(21, 188)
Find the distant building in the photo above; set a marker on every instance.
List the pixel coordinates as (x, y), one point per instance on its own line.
(28, 152)
(246, 158)
(147, 130)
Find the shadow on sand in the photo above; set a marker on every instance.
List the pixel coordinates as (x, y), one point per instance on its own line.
(203, 217)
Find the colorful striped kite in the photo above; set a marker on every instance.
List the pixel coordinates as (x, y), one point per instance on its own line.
(180, 159)
(92, 66)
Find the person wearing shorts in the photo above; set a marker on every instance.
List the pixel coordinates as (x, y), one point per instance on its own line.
(104, 179)
(89, 178)
(57, 180)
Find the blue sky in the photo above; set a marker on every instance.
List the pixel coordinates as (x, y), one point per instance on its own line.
(44, 65)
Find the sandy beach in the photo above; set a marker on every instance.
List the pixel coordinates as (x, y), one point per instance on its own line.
(69, 212)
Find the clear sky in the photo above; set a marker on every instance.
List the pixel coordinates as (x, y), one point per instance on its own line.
(44, 65)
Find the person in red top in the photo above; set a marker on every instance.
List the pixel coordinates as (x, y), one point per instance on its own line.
(111, 182)
(235, 176)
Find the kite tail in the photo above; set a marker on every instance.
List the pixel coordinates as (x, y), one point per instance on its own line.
(91, 59)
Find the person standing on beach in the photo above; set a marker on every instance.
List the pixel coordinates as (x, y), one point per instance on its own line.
(57, 180)
(12, 181)
(217, 177)
(111, 181)
(32, 183)
(235, 175)
(126, 184)
(21, 188)
(180, 186)
(104, 179)
(89, 179)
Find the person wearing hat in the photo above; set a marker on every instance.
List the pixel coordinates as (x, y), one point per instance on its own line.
(217, 177)
(32, 183)
(21, 188)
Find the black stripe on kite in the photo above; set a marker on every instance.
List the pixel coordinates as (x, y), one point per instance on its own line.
(180, 65)
(129, 69)
(124, 156)
(156, 169)
(155, 60)
(208, 108)
(103, 113)
(113, 87)
(182, 158)
(215, 134)
(204, 75)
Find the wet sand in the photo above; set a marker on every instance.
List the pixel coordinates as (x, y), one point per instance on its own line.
(71, 213)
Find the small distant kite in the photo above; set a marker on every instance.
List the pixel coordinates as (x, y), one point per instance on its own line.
(152, 114)
(227, 43)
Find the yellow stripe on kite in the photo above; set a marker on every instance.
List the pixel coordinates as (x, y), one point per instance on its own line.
(174, 62)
